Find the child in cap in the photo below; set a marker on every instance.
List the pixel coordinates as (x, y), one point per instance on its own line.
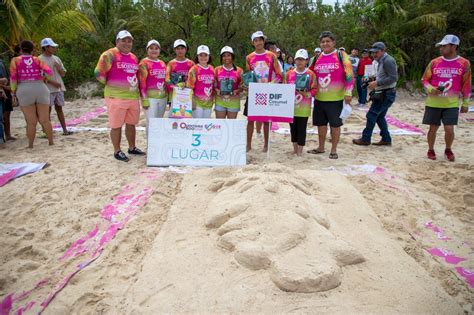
(306, 87)
(201, 80)
(228, 81)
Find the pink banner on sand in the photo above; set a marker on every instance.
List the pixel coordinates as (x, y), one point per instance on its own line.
(84, 118)
(113, 217)
(467, 274)
(448, 256)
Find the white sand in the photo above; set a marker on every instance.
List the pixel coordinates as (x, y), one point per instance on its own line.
(167, 260)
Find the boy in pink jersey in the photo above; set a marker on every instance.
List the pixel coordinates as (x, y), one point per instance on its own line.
(228, 82)
(201, 80)
(266, 69)
(445, 79)
(117, 69)
(29, 90)
(177, 69)
(306, 86)
(152, 76)
(333, 70)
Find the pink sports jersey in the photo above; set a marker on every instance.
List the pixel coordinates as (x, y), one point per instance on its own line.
(335, 80)
(455, 78)
(27, 68)
(303, 98)
(201, 80)
(222, 73)
(152, 75)
(180, 67)
(119, 74)
(265, 66)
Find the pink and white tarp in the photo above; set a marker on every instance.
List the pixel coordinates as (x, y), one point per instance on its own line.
(9, 172)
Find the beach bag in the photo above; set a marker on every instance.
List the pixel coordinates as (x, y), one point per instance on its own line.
(226, 86)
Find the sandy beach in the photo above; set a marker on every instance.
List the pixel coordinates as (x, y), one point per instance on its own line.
(284, 234)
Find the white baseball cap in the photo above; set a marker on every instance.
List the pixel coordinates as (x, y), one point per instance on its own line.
(153, 42)
(258, 34)
(179, 42)
(317, 49)
(449, 39)
(123, 34)
(203, 49)
(227, 49)
(48, 42)
(342, 48)
(301, 53)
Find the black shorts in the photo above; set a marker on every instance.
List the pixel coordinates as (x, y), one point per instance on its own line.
(8, 104)
(434, 116)
(327, 112)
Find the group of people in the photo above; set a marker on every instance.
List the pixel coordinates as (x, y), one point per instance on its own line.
(36, 85)
(323, 84)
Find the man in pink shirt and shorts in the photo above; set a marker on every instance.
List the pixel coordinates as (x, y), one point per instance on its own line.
(117, 69)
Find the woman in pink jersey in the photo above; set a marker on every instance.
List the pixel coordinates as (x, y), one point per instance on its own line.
(266, 69)
(28, 75)
(201, 80)
(152, 75)
(228, 82)
(333, 70)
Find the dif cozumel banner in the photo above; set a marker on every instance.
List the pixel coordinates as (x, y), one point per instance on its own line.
(271, 102)
(197, 142)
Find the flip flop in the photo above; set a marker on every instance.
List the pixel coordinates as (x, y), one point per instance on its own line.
(315, 151)
(333, 156)
(67, 133)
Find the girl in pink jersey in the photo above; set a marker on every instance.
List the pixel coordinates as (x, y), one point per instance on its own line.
(228, 81)
(177, 69)
(152, 75)
(30, 91)
(266, 69)
(201, 80)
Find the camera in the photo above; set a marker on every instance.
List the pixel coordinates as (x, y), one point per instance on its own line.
(366, 81)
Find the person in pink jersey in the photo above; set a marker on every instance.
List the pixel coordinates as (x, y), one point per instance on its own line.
(117, 69)
(177, 69)
(306, 85)
(446, 78)
(201, 80)
(335, 83)
(28, 75)
(266, 69)
(228, 84)
(152, 76)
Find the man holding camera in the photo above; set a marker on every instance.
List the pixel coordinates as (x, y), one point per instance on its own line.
(383, 96)
(446, 78)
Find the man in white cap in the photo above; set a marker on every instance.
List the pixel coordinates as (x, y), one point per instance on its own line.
(445, 79)
(55, 84)
(117, 69)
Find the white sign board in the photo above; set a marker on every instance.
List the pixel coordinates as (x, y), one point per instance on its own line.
(197, 142)
(271, 102)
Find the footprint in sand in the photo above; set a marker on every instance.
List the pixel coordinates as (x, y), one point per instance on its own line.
(270, 220)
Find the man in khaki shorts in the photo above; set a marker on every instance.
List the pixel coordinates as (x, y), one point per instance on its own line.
(55, 84)
(117, 69)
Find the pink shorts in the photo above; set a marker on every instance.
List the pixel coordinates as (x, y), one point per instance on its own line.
(122, 112)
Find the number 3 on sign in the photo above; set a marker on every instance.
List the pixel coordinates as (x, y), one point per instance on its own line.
(197, 140)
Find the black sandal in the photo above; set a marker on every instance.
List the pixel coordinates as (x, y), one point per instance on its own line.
(315, 151)
(333, 156)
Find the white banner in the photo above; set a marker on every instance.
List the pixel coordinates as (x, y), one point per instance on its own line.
(271, 102)
(197, 142)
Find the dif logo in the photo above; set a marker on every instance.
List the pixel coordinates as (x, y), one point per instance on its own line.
(262, 98)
